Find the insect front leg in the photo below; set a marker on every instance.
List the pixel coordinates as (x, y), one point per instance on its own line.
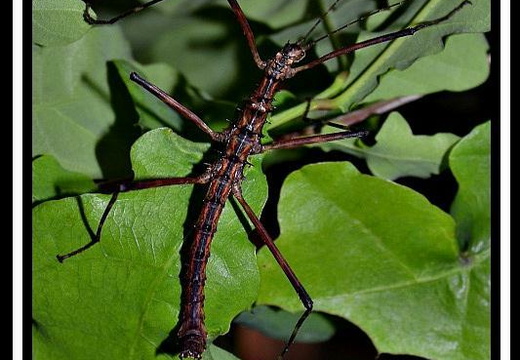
(248, 33)
(177, 106)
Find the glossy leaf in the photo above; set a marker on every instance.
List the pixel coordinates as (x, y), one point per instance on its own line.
(401, 53)
(384, 258)
(120, 298)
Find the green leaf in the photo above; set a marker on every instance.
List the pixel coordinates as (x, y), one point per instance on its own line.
(120, 298)
(399, 54)
(216, 353)
(398, 152)
(153, 113)
(279, 324)
(79, 114)
(470, 162)
(462, 65)
(381, 256)
(57, 22)
(202, 47)
(51, 180)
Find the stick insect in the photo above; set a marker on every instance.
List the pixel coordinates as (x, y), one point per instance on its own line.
(223, 178)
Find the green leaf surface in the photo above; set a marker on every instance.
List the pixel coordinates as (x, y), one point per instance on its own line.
(78, 116)
(470, 161)
(278, 324)
(153, 113)
(51, 180)
(57, 22)
(202, 47)
(398, 152)
(462, 65)
(120, 298)
(216, 353)
(399, 54)
(381, 256)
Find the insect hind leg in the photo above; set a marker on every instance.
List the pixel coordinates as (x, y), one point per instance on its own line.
(95, 237)
(289, 273)
(115, 189)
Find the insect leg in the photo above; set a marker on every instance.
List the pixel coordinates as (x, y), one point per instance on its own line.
(297, 285)
(123, 187)
(246, 28)
(175, 105)
(314, 139)
(89, 19)
(94, 237)
(379, 39)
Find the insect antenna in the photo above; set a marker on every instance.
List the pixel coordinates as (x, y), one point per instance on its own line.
(359, 19)
(319, 21)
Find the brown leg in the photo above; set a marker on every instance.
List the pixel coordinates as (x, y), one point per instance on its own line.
(89, 19)
(250, 37)
(175, 105)
(123, 187)
(307, 140)
(297, 285)
(379, 39)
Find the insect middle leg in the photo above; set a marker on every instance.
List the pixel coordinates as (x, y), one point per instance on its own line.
(313, 139)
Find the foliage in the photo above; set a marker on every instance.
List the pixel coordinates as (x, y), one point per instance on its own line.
(414, 277)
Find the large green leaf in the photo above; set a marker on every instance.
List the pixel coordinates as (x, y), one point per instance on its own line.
(383, 257)
(377, 60)
(120, 298)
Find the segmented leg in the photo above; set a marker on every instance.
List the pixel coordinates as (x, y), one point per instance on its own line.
(248, 33)
(378, 40)
(175, 105)
(128, 186)
(313, 139)
(89, 19)
(94, 237)
(297, 285)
